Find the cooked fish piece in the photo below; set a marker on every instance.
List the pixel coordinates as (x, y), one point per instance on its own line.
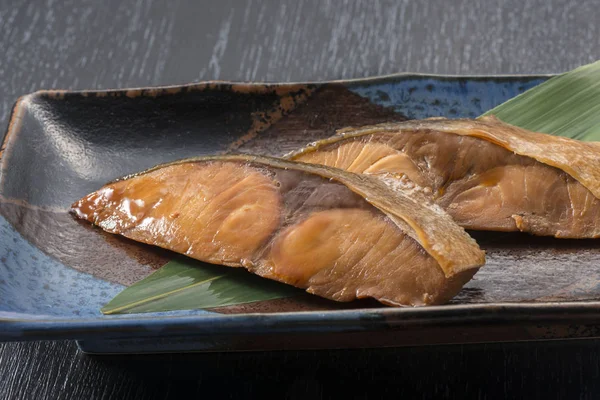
(488, 175)
(336, 234)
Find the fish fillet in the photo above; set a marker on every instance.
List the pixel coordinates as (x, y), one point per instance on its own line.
(339, 235)
(488, 175)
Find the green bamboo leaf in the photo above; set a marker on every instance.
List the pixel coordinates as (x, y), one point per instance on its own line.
(565, 105)
(187, 284)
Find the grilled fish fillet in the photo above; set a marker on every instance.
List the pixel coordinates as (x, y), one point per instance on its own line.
(336, 234)
(488, 175)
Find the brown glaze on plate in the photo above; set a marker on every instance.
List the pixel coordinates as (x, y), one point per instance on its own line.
(82, 246)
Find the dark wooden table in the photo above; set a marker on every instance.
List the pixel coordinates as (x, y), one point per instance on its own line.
(111, 44)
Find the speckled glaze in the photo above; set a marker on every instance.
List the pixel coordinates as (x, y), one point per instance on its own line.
(56, 273)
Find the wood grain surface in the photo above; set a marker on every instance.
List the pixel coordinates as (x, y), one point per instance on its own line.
(90, 44)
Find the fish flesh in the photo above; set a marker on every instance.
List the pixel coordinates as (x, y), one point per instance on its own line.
(339, 235)
(488, 175)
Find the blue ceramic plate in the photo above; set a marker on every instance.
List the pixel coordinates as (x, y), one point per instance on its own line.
(56, 273)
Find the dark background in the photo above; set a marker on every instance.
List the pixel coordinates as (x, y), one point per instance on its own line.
(115, 44)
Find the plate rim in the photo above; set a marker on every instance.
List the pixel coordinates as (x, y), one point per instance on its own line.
(367, 79)
(358, 320)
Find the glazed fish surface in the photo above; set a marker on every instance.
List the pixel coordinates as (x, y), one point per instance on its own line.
(488, 175)
(339, 235)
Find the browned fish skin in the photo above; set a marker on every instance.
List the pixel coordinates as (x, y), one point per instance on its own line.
(486, 174)
(303, 225)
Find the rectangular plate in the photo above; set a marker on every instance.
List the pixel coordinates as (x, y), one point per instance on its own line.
(56, 273)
